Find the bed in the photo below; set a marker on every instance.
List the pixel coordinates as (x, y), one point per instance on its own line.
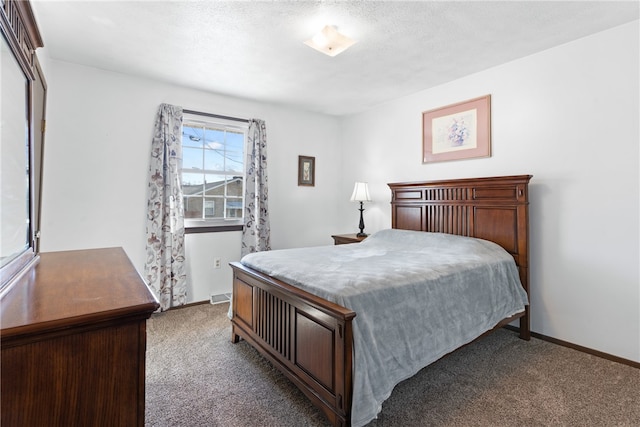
(326, 348)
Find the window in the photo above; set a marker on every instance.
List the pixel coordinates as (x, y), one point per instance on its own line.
(212, 171)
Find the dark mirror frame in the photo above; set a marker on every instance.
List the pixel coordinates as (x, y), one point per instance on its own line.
(20, 32)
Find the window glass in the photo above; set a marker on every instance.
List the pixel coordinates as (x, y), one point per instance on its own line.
(212, 171)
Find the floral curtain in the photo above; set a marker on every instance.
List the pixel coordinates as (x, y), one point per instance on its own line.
(256, 231)
(164, 268)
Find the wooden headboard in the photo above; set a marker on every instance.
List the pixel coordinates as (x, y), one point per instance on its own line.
(495, 209)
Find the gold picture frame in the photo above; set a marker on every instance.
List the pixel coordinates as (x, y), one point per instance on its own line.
(457, 131)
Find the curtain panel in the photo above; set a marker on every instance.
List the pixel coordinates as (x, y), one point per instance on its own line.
(164, 267)
(256, 231)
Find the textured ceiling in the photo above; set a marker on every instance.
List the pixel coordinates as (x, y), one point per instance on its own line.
(255, 49)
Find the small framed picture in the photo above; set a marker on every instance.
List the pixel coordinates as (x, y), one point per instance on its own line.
(457, 131)
(306, 171)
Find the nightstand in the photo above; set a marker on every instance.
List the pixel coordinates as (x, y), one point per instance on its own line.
(343, 239)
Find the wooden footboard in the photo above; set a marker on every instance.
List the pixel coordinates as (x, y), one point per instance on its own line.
(308, 338)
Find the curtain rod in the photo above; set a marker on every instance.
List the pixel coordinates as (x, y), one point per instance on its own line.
(217, 116)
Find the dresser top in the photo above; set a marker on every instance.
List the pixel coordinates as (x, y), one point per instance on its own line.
(74, 288)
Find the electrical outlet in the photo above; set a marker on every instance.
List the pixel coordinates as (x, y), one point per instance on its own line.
(216, 263)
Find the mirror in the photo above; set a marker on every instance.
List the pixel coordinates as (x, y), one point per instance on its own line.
(14, 161)
(16, 250)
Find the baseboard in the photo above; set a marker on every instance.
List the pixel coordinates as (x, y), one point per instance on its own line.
(580, 348)
(191, 304)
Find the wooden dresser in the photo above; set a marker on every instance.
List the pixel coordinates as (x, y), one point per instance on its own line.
(73, 339)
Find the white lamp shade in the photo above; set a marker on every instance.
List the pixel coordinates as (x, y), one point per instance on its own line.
(360, 192)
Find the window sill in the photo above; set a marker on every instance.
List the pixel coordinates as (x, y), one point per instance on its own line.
(193, 227)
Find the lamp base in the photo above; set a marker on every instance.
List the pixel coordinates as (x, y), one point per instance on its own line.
(361, 225)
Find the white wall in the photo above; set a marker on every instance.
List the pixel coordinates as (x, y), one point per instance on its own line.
(570, 117)
(99, 128)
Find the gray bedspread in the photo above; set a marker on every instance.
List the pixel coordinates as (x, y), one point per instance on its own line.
(417, 296)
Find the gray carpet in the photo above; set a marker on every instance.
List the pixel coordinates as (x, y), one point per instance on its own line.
(197, 377)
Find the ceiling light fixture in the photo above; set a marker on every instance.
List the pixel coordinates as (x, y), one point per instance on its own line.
(329, 41)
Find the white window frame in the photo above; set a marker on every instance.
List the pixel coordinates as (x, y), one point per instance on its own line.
(209, 224)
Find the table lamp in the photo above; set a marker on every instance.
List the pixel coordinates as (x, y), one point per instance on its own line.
(361, 194)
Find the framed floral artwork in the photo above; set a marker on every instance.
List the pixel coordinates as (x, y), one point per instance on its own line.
(306, 171)
(457, 131)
